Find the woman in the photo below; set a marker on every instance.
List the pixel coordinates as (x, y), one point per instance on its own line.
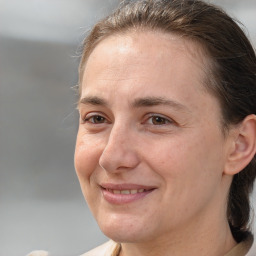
(165, 151)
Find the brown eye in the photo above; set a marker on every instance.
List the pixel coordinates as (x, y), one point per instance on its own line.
(158, 120)
(96, 119)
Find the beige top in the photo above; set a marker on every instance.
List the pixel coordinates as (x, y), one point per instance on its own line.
(112, 248)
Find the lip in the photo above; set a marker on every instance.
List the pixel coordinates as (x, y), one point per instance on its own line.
(124, 193)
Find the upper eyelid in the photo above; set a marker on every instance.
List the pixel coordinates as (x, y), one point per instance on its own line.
(86, 117)
(91, 116)
(159, 115)
(93, 113)
(146, 116)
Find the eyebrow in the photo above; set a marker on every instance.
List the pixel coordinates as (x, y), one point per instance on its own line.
(137, 103)
(93, 100)
(155, 101)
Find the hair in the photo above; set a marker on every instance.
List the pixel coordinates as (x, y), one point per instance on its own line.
(231, 73)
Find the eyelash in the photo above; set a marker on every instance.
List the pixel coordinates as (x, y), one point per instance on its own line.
(91, 117)
(164, 120)
(151, 118)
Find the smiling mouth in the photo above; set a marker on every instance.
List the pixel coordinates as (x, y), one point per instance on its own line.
(126, 192)
(123, 194)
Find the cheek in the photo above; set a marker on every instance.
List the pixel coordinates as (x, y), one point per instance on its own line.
(86, 158)
(187, 164)
(191, 173)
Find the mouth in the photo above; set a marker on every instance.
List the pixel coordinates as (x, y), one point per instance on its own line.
(124, 193)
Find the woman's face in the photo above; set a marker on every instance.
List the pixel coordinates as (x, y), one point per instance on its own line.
(150, 152)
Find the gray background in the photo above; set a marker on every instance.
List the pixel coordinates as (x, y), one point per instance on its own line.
(41, 203)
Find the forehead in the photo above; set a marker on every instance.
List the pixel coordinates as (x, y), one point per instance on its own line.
(147, 41)
(146, 50)
(148, 64)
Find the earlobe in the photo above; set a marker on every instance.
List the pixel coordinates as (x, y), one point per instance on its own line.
(242, 147)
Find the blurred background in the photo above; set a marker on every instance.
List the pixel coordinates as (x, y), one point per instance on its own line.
(41, 206)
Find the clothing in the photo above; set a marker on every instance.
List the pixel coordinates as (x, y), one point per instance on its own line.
(112, 249)
(38, 253)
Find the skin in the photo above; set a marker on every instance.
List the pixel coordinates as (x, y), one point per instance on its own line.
(146, 119)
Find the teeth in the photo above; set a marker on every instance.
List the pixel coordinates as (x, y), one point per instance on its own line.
(126, 192)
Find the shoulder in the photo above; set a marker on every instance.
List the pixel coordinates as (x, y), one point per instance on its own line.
(107, 249)
(242, 248)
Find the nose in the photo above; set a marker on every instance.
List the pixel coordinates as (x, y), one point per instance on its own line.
(119, 153)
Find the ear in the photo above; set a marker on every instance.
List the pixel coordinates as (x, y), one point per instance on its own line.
(242, 148)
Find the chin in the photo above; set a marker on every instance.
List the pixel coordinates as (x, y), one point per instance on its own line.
(122, 231)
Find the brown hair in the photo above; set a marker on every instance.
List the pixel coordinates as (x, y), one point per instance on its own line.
(231, 78)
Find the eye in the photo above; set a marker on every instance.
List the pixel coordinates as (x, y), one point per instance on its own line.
(159, 120)
(95, 119)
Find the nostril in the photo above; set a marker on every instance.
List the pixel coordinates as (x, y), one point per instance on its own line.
(119, 154)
